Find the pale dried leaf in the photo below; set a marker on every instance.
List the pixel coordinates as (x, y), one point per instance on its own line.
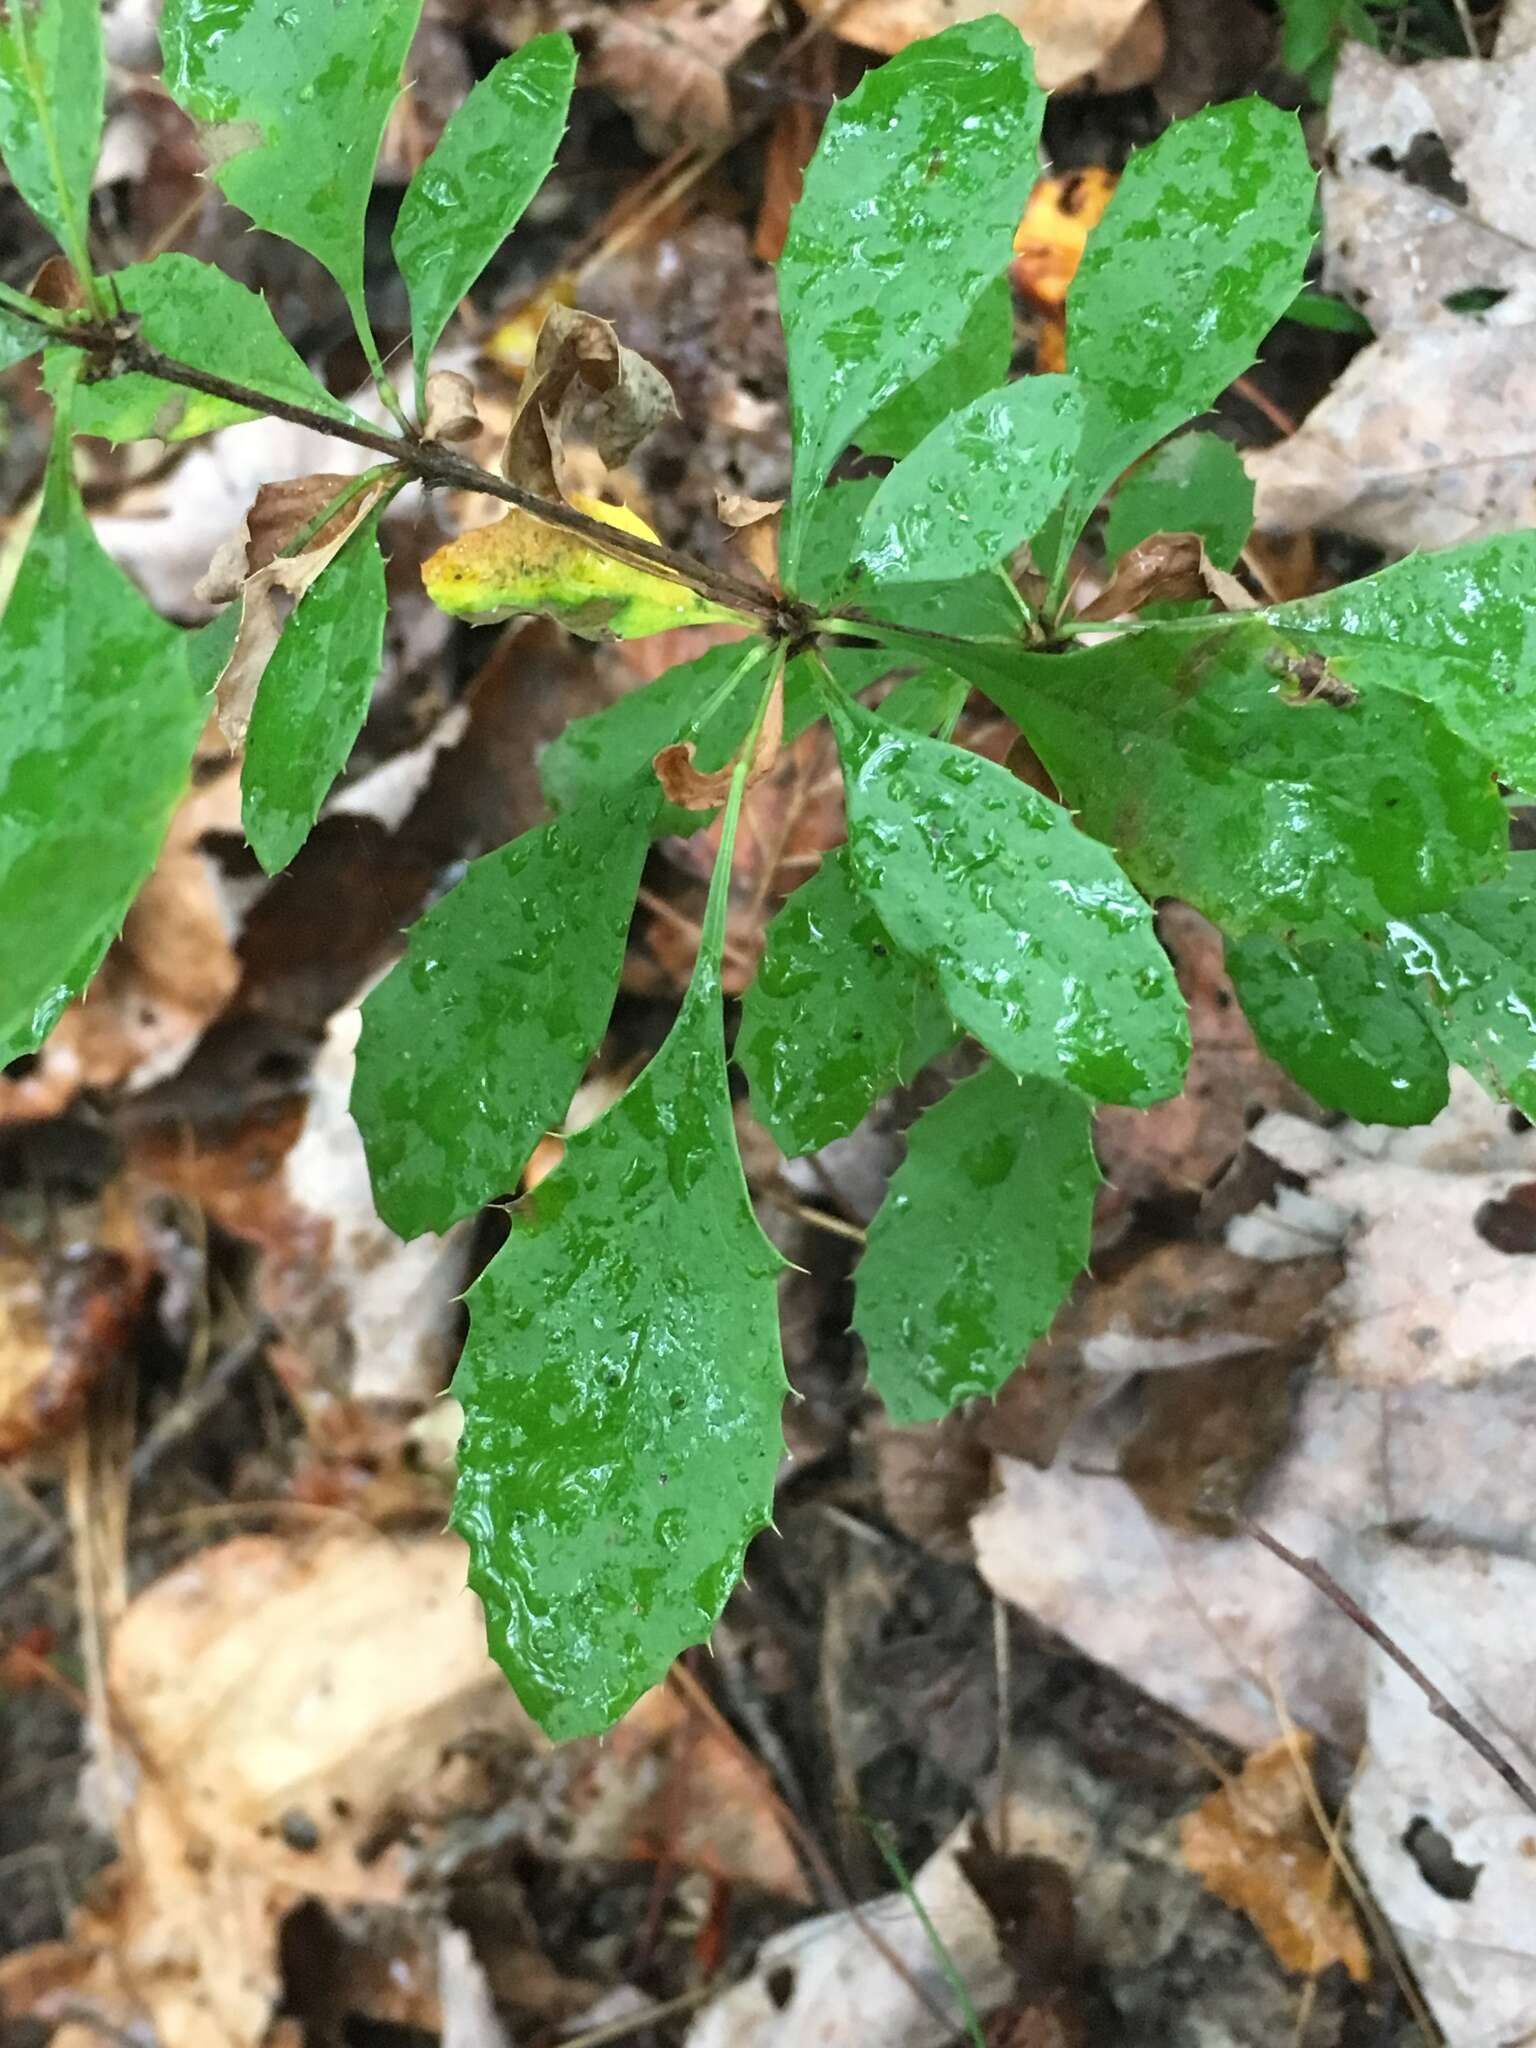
(451, 414)
(1070, 38)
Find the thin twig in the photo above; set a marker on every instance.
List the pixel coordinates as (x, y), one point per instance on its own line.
(1439, 1705)
(120, 349)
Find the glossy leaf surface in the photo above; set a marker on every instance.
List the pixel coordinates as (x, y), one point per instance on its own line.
(836, 1016)
(193, 312)
(1039, 944)
(908, 213)
(98, 720)
(52, 106)
(474, 1045)
(983, 1229)
(1457, 629)
(980, 484)
(470, 193)
(291, 98)
(1202, 759)
(621, 1387)
(1338, 1017)
(1195, 483)
(1200, 252)
(313, 698)
(977, 607)
(1473, 967)
(978, 363)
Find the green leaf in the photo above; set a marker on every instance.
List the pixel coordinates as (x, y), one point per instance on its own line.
(1338, 1018)
(982, 1231)
(930, 701)
(1223, 769)
(191, 311)
(18, 339)
(313, 698)
(470, 193)
(1473, 967)
(474, 1044)
(908, 214)
(1456, 629)
(1312, 308)
(622, 1385)
(1039, 944)
(292, 97)
(978, 486)
(972, 607)
(1193, 484)
(52, 107)
(1202, 249)
(978, 363)
(836, 1016)
(98, 720)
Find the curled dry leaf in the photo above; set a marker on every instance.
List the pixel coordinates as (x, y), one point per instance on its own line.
(686, 785)
(582, 378)
(451, 414)
(1256, 1845)
(1167, 568)
(249, 565)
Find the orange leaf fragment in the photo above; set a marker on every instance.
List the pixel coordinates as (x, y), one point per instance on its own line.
(1255, 1845)
(1048, 246)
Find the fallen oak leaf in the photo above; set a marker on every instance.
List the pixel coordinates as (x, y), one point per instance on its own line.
(520, 564)
(581, 371)
(252, 565)
(697, 790)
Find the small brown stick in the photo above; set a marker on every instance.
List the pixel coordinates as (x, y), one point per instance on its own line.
(1439, 1705)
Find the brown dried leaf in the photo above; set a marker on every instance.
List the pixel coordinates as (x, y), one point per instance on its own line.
(62, 1325)
(1209, 1434)
(1070, 38)
(250, 564)
(1166, 568)
(582, 378)
(685, 785)
(667, 64)
(451, 414)
(1255, 1845)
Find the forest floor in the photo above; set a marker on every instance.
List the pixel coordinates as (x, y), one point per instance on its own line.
(258, 1783)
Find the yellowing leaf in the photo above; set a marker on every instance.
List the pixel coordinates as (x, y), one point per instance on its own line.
(518, 564)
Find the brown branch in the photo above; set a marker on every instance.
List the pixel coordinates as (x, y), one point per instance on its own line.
(118, 348)
(1439, 1705)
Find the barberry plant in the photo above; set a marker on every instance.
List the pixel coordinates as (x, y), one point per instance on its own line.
(1329, 780)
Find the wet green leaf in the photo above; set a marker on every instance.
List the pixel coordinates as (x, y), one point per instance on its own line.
(474, 1045)
(621, 1387)
(1338, 1017)
(978, 363)
(313, 698)
(980, 484)
(193, 312)
(1193, 484)
(930, 701)
(973, 607)
(1039, 944)
(18, 339)
(1201, 757)
(908, 214)
(1473, 967)
(1457, 629)
(836, 1016)
(982, 1231)
(291, 98)
(1202, 249)
(98, 720)
(470, 193)
(52, 106)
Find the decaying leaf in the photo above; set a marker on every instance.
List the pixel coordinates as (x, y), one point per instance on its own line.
(1048, 245)
(519, 564)
(1256, 1845)
(1069, 41)
(63, 1323)
(250, 566)
(696, 791)
(667, 62)
(1168, 568)
(582, 378)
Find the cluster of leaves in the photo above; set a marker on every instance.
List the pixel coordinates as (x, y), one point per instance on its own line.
(1320, 778)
